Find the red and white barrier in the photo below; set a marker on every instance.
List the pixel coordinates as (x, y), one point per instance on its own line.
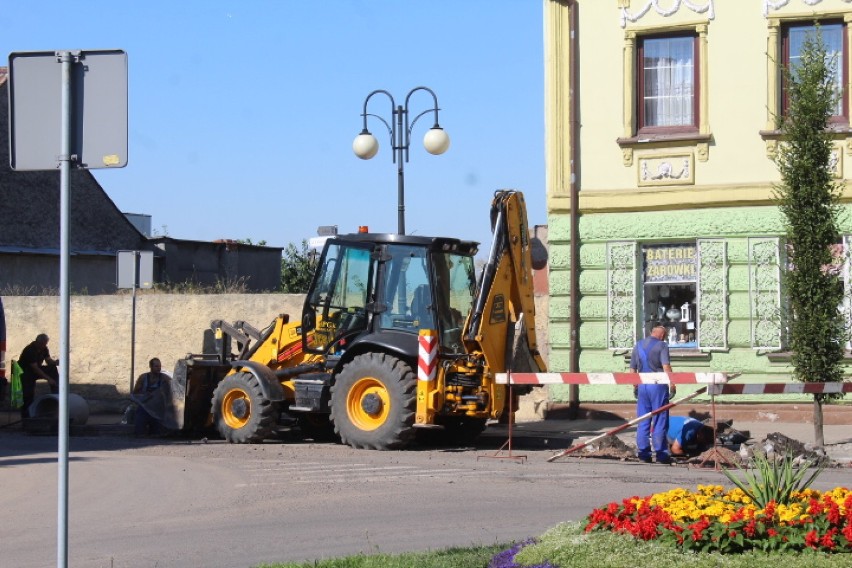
(427, 356)
(611, 378)
(781, 388)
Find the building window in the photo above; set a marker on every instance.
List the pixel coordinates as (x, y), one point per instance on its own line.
(682, 286)
(670, 292)
(668, 84)
(834, 38)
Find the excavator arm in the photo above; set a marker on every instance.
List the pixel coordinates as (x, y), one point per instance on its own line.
(501, 326)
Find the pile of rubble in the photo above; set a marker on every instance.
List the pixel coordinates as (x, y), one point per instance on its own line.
(777, 445)
(725, 454)
(610, 447)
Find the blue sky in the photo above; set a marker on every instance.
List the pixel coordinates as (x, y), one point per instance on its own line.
(242, 113)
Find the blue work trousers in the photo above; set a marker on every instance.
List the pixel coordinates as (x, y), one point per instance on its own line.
(652, 397)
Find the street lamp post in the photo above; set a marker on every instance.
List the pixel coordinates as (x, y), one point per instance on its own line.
(366, 146)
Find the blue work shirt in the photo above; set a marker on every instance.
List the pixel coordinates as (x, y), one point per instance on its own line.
(683, 430)
(656, 351)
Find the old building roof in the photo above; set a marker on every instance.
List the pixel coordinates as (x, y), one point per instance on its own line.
(29, 201)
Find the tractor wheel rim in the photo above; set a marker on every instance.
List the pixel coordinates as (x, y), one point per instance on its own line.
(236, 408)
(362, 396)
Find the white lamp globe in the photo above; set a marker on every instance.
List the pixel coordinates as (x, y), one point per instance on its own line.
(436, 141)
(365, 146)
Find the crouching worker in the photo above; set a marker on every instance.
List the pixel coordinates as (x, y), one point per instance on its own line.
(36, 363)
(150, 394)
(688, 436)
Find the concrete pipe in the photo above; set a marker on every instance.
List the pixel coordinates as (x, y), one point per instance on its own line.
(47, 406)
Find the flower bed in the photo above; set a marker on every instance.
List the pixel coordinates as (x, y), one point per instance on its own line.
(713, 519)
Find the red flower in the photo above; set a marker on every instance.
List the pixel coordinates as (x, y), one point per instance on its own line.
(827, 540)
(698, 528)
(833, 514)
(811, 539)
(814, 507)
(772, 532)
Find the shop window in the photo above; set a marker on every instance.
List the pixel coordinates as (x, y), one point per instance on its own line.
(682, 286)
(670, 292)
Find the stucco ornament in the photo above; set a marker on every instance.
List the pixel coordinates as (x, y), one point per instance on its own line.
(834, 163)
(712, 294)
(665, 171)
(621, 294)
(769, 5)
(765, 292)
(666, 12)
(847, 282)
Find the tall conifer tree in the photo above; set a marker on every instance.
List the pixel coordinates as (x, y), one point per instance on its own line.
(809, 199)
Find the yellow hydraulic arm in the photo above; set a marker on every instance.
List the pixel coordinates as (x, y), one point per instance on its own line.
(501, 326)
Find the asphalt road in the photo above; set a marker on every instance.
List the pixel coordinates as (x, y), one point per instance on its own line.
(177, 503)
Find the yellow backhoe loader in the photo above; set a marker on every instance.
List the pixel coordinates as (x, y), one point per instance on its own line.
(396, 336)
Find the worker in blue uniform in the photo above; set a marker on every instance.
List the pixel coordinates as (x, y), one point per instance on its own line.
(688, 436)
(651, 355)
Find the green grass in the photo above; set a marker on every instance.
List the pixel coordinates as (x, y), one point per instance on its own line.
(566, 546)
(477, 557)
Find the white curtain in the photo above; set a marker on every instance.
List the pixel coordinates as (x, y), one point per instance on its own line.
(668, 69)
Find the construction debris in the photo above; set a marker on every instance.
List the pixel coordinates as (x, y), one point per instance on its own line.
(776, 445)
(731, 451)
(610, 447)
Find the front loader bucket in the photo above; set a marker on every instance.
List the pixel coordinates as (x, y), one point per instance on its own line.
(192, 388)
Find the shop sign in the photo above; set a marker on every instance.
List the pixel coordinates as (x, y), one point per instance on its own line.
(669, 263)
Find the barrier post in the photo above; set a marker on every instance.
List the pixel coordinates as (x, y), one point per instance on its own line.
(508, 443)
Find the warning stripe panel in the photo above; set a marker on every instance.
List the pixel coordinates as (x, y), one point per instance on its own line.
(427, 357)
(783, 388)
(610, 378)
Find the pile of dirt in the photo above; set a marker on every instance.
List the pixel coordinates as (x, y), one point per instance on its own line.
(610, 447)
(716, 457)
(776, 445)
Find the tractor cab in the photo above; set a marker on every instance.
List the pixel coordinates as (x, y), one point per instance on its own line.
(385, 288)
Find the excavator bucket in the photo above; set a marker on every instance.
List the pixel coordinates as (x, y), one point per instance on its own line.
(191, 392)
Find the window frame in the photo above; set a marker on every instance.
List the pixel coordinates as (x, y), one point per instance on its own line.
(786, 26)
(639, 84)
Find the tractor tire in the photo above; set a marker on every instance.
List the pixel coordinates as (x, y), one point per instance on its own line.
(373, 402)
(241, 413)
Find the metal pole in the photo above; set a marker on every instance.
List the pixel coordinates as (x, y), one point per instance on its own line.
(65, 58)
(400, 147)
(133, 320)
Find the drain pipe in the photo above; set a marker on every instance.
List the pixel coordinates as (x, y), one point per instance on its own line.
(574, 265)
